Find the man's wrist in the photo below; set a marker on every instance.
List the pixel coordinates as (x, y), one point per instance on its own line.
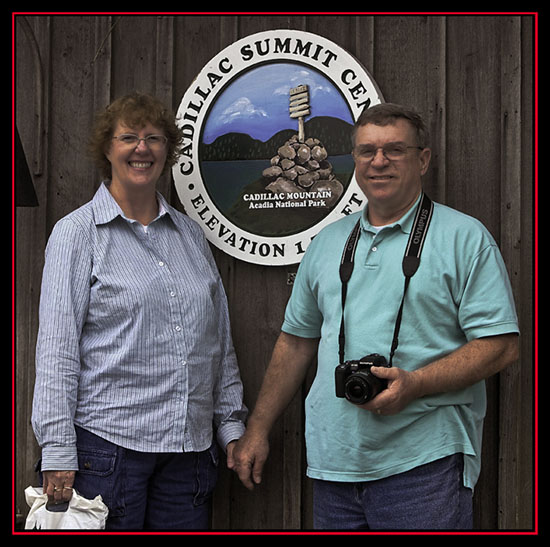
(257, 427)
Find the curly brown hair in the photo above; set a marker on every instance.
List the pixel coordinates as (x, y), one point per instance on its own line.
(134, 110)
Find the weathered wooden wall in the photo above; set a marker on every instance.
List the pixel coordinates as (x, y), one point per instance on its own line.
(472, 76)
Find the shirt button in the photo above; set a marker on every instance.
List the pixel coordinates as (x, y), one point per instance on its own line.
(172, 293)
(161, 263)
(177, 328)
(374, 249)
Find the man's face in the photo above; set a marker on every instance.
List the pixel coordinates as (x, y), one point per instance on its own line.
(389, 183)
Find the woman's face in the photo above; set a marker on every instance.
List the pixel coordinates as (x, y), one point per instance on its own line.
(136, 165)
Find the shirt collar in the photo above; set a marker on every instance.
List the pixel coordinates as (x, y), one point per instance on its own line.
(107, 209)
(405, 222)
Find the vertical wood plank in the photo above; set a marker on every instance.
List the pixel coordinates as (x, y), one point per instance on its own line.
(525, 516)
(516, 381)
(473, 182)
(164, 70)
(101, 72)
(30, 226)
(73, 178)
(134, 55)
(101, 62)
(473, 118)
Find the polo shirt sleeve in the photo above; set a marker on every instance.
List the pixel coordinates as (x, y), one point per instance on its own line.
(302, 316)
(486, 305)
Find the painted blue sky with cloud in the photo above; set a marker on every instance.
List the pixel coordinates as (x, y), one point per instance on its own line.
(256, 103)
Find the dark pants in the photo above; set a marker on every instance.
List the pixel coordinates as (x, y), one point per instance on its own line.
(146, 490)
(428, 497)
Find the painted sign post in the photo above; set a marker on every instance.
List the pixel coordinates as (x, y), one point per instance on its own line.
(299, 107)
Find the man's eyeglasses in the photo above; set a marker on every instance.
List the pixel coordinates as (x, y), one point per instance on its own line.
(391, 151)
(154, 142)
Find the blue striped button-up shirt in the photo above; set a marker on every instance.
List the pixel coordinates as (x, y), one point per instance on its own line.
(134, 342)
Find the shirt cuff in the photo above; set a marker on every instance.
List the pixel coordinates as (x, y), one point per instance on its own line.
(507, 327)
(230, 431)
(301, 332)
(59, 458)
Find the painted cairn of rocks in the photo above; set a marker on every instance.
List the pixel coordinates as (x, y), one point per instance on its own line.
(300, 166)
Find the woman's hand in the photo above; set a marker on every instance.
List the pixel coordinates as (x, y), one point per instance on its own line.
(58, 485)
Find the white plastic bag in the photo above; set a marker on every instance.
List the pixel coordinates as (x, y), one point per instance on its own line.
(81, 513)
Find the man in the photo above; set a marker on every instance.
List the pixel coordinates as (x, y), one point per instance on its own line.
(408, 458)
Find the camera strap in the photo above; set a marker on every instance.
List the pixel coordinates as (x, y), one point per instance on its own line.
(410, 264)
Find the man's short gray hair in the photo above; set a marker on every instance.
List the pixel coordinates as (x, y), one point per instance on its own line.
(388, 113)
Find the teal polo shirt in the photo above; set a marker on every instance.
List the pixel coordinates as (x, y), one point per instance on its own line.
(460, 292)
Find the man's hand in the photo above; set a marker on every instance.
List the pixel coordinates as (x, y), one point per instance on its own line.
(58, 485)
(248, 457)
(471, 363)
(402, 389)
(291, 358)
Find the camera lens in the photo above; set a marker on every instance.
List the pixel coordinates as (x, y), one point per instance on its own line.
(359, 388)
(356, 391)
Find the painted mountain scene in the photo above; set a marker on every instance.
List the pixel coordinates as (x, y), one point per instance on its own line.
(275, 150)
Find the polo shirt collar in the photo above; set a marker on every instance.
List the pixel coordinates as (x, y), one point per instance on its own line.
(405, 222)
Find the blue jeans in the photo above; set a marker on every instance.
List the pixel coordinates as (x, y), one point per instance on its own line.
(428, 497)
(146, 490)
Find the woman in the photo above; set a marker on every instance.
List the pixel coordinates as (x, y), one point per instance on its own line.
(135, 362)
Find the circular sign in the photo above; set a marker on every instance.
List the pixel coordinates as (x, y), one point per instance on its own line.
(266, 159)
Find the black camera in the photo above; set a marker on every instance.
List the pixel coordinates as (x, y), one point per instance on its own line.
(356, 383)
